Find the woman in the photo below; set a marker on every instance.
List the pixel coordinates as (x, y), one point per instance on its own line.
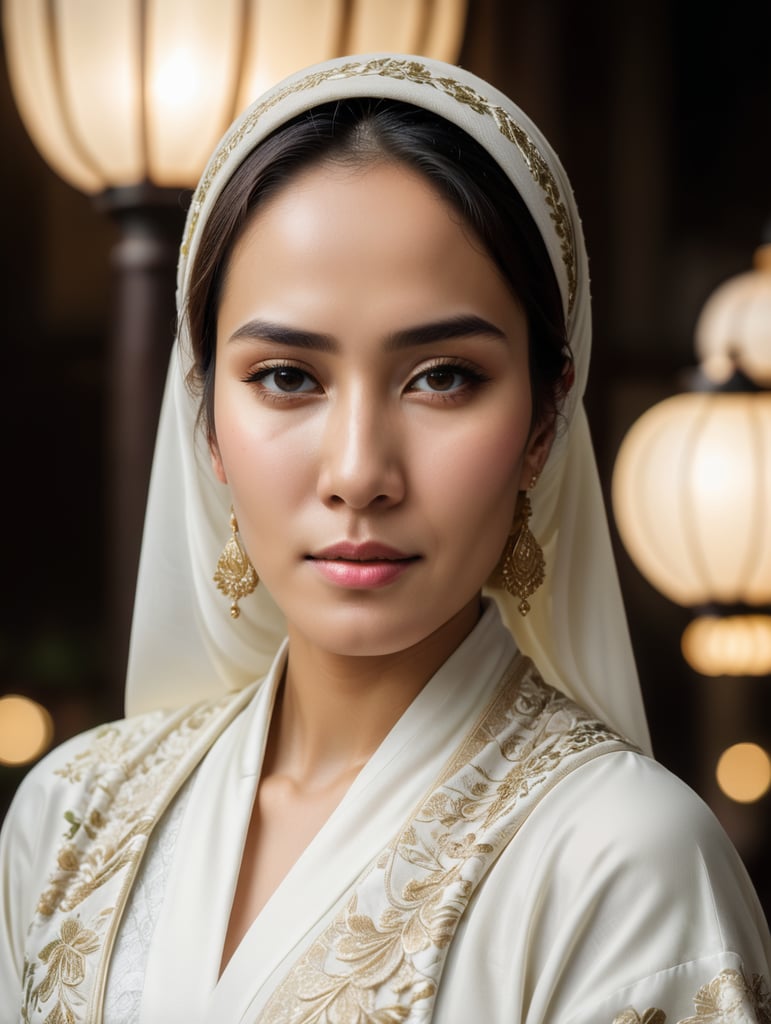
(383, 345)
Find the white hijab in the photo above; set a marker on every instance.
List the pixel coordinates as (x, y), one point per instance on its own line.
(185, 646)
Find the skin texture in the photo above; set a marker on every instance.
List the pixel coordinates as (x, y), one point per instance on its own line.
(343, 413)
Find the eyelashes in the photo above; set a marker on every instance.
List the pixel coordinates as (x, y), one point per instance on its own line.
(283, 378)
(442, 379)
(447, 376)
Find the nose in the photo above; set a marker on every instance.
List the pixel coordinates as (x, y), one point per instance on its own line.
(361, 461)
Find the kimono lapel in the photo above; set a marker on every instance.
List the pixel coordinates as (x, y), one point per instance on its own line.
(121, 784)
(381, 957)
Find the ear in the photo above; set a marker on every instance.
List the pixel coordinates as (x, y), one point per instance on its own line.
(537, 452)
(216, 460)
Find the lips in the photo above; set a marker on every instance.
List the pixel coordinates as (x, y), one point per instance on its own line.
(369, 551)
(368, 566)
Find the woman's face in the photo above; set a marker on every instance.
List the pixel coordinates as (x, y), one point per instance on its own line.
(372, 407)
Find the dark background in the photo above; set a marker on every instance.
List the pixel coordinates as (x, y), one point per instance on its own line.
(660, 112)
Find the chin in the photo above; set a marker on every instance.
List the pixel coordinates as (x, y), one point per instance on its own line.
(360, 632)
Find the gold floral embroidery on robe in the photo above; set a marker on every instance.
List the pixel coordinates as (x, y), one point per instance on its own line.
(731, 999)
(121, 788)
(650, 1016)
(380, 960)
(728, 999)
(420, 74)
(65, 960)
(124, 780)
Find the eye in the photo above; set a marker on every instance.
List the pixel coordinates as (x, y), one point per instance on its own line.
(446, 377)
(441, 378)
(284, 379)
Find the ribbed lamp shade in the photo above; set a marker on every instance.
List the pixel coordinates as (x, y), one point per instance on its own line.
(734, 327)
(123, 92)
(692, 494)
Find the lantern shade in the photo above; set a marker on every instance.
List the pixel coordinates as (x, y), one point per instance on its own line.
(734, 327)
(133, 91)
(691, 492)
(735, 645)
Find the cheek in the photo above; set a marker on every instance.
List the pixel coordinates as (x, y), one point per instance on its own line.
(268, 465)
(490, 454)
(475, 475)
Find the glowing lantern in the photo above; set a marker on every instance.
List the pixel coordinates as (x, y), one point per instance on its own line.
(691, 486)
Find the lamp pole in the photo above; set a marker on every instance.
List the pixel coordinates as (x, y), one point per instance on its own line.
(114, 94)
(144, 261)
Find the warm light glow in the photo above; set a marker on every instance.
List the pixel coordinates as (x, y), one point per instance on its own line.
(734, 328)
(115, 94)
(175, 82)
(26, 730)
(744, 772)
(736, 645)
(691, 495)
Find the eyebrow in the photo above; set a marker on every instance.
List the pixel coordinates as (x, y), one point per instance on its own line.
(464, 326)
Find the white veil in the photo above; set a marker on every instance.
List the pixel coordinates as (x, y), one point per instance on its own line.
(184, 644)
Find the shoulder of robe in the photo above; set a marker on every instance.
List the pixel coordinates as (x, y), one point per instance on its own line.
(47, 790)
(116, 748)
(97, 746)
(620, 873)
(628, 802)
(636, 841)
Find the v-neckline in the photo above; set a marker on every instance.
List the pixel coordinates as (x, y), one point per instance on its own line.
(206, 864)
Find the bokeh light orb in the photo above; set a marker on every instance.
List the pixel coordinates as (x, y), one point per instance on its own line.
(26, 730)
(744, 772)
(731, 645)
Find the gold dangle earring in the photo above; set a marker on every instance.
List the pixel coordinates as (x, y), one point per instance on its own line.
(235, 576)
(522, 565)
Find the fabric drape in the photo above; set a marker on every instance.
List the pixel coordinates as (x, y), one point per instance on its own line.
(184, 644)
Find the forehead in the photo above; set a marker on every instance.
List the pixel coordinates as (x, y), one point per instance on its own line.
(358, 230)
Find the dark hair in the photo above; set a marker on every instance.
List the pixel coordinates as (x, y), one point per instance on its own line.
(361, 131)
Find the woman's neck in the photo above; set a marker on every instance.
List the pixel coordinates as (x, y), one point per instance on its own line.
(335, 710)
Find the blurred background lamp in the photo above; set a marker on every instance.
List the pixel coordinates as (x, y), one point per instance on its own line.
(26, 730)
(691, 495)
(127, 92)
(126, 99)
(734, 327)
(728, 645)
(691, 487)
(744, 772)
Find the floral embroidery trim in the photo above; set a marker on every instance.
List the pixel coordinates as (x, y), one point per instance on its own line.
(649, 1016)
(728, 999)
(126, 777)
(111, 829)
(380, 959)
(65, 960)
(418, 73)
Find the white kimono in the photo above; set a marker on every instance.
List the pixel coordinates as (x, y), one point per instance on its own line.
(501, 858)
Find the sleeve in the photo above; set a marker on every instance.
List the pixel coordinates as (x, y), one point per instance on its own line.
(620, 901)
(17, 852)
(30, 837)
(655, 918)
(710, 990)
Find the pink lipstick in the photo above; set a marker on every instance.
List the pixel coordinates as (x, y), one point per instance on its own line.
(361, 566)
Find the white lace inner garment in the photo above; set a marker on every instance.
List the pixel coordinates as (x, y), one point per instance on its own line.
(125, 980)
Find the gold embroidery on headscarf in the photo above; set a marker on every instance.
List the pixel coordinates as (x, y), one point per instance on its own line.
(377, 963)
(728, 998)
(418, 73)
